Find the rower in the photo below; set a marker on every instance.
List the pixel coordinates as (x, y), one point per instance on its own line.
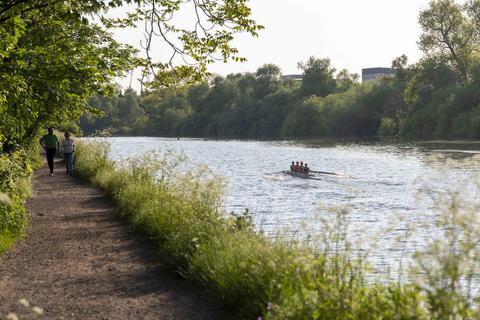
(297, 167)
(292, 166)
(301, 169)
(306, 169)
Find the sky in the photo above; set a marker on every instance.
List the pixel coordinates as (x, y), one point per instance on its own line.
(353, 34)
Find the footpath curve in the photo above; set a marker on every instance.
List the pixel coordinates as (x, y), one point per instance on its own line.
(79, 261)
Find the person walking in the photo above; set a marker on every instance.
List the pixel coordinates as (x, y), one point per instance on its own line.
(68, 147)
(50, 143)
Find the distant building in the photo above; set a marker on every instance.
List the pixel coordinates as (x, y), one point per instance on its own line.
(297, 77)
(369, 74)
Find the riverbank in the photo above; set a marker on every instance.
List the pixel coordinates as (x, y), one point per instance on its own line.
(308, 140)
(78, 261)
(440, 141)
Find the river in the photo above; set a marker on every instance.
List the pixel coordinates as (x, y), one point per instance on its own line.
(388, 189)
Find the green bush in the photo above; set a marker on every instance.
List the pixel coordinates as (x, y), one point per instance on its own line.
(15, 171)
(388, 127)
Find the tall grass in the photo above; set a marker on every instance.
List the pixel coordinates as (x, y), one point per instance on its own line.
(262, 278)
(448, 270)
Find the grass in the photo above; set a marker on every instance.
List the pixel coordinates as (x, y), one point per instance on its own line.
(258, 277)
(6, 241)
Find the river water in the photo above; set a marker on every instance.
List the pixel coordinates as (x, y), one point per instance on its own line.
(388, 189)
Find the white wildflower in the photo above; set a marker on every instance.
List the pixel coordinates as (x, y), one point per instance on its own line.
(12, 316)
(37, 310)
(24, 302)
(4, 198)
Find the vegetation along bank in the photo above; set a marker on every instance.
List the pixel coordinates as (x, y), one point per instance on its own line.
(256, 276)
(15, 173)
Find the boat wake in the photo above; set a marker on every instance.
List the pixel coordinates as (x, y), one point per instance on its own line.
(274, 177)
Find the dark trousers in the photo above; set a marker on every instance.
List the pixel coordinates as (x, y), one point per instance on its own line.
(50, 156)
(68, 157)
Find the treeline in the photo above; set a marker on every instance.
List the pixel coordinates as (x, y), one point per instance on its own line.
(439, 96)
(261, 104)
(421, 100)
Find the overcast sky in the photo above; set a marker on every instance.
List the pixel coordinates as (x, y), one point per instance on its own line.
(353, 34)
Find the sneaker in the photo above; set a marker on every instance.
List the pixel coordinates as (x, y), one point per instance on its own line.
(52, 174)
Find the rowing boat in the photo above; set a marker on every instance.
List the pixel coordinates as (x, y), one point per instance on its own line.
(301, 175)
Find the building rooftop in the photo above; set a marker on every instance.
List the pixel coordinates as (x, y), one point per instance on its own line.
(293, 76)
(377, 70)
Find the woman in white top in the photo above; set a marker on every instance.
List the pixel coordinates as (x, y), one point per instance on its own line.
(68, 147)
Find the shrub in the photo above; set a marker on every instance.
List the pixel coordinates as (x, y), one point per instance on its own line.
(388, 127)
(15, 171)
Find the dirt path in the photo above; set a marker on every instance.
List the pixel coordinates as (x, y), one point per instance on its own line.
(80, 262)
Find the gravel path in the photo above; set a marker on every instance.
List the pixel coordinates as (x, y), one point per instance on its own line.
(79, 261)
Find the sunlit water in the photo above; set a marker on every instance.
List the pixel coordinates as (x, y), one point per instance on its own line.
(388, 188)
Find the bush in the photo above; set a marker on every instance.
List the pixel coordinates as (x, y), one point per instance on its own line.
(388, 127)
(15, 171)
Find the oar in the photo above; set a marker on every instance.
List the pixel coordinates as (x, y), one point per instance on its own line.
(324, 172)
(274, 172)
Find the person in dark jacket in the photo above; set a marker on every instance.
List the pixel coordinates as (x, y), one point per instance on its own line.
(51, 144)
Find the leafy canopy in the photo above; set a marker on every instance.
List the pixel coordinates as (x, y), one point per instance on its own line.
(451, 35)
(56, 54)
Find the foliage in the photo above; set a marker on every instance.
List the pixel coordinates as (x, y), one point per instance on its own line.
(388, 127)
(420, 101)
(242, 105)
(317, 78)
(46, 78)
(268, 80)
(208, 38)
(55, 55)
(58, 61)
(15, 171)
(449, 265)
(345, 80)
(450, 34)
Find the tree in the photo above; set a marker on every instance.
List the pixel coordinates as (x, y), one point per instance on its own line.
(52, 57)
(208, 39)
(246, 84)
(451, 34)
(54, 68)
(268, 79)
(403, 72)
(345, 80)
(317, 77)
(129, 110)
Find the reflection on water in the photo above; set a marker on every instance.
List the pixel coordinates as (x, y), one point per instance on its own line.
(379, 183)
